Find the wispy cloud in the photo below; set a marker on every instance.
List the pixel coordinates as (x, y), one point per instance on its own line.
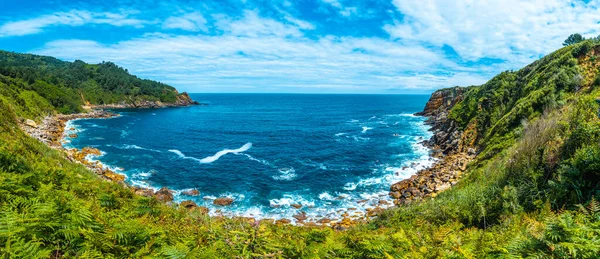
(512, 30)
(71, 18)
(264, 54)
(320, 46)
(190, 22)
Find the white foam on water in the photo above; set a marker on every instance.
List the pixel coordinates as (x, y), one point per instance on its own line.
(365, 129)
(262, 161)
(286, 174)
(181, 155)
(350, 186)
(288, 199)
(223, 152)
(126, 146)
(340, 134)
(326, 196)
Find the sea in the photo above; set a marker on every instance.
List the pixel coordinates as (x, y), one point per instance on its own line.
(335, 155)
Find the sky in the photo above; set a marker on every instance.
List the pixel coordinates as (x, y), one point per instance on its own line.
(300, 46)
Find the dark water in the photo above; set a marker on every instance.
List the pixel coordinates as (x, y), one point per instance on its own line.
(268, 151)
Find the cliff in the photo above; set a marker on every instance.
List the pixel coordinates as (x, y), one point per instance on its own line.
(447, 144)
(182, 100)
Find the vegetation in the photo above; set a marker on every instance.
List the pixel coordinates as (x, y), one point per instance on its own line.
(532, 192)
(67, 86)
(573, 39)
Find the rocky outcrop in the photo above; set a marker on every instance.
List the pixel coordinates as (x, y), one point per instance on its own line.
(192, 192)
(449, 143)
(223, 201)
(446, 135)
(164, 195)
(188, 204)
(182, 100)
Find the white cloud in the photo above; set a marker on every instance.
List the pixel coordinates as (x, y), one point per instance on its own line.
(190, 22)
(71, 18)
(266, 55)
(512, 30)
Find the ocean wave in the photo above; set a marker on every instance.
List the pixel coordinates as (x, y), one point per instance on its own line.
(340, 134)
(181, 155)
(262, 161)
(288, 199)
(350, 186)
(126, 146)
(223, 152)
(286, 174)
(365, 129)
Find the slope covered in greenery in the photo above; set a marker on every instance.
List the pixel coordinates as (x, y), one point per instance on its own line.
(531, 192)
(69, 85)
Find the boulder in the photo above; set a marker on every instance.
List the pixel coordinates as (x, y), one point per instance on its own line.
(188, 204)
(223, 201)
(323, 221)
(164, 195)
(192, 192)
(202, 209)
(144, 192)
(297, 206)
(73, 135)
(374, 212)
(301, 216)
(283, 221)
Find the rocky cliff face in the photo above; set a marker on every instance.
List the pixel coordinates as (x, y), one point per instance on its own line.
(183, 99)
(446, 135)
(448, 143)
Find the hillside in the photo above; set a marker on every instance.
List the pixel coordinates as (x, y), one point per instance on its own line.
(531, 189)
(67, 86)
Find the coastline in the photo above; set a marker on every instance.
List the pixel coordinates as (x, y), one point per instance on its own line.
(453, 146)
(352, 215)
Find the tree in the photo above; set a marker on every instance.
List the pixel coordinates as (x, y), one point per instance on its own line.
(573, 39)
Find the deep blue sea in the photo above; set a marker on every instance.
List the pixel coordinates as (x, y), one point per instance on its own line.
(268, 151)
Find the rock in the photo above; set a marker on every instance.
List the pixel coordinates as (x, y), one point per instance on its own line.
(283, 221)
(202, 209)
(91, 151)
(383, 202)
(145, 192)
(113, 176)
(73, 135)
(301, 216)
(192, 192)
(164, 195)
(72, 128)
(324, 221)
(297, 206)
(223, 201)
(374, 211)
(188, 204)
(31, 123)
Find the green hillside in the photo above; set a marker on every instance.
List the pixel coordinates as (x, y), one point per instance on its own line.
(67, 86)
(531, 192)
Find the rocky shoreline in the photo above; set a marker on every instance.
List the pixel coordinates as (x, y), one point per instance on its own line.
(446, 144)
(451, 145)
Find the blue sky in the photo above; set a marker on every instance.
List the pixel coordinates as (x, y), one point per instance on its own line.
(300, 46)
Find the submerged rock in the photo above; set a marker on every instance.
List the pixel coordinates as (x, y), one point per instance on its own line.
(193, 192)
(223, 201)
(297, 206)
